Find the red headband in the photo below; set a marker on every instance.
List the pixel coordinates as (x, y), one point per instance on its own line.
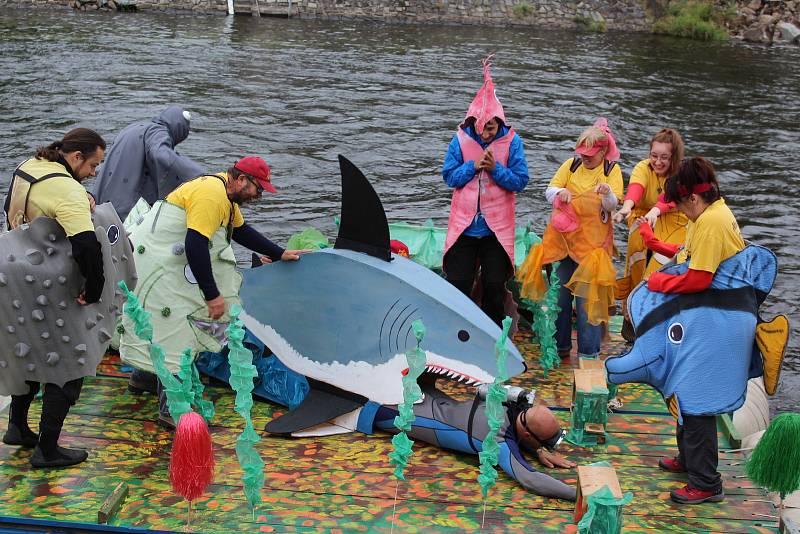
(697, 189)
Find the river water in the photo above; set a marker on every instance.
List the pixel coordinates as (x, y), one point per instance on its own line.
(389, 97)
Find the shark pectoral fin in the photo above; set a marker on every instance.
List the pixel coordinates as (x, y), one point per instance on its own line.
(772, 338)
(344, 424)
(322, 404)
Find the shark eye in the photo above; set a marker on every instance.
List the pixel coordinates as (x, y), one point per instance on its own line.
(675, 333)
(463, 335)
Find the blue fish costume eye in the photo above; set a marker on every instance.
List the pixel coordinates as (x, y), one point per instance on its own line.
(706, 373)
(675, 333)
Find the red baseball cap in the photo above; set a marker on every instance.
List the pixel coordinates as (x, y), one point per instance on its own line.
(258, 169)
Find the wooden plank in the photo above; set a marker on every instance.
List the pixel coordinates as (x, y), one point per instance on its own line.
(112, 502)
(726, 426)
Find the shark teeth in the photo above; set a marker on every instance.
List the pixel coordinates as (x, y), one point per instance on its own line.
(450, 373)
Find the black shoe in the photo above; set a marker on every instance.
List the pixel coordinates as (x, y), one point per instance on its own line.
(23, 438)
(133, 390)
(61, 458)
(142, 382)
(628, 333)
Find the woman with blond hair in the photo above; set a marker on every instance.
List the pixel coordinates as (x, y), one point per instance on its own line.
(583, 192)
(645, 199)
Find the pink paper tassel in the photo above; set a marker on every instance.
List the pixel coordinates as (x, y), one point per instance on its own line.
(191, 468)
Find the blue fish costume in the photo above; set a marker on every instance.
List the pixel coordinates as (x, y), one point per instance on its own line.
(698, 350)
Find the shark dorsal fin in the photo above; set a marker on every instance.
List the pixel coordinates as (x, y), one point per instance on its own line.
(363, 226)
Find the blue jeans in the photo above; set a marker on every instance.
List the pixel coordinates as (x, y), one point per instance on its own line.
(589, 335)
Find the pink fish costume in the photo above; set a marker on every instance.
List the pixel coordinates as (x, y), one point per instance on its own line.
(485, 166)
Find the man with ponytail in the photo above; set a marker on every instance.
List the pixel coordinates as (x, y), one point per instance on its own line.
(49, 185)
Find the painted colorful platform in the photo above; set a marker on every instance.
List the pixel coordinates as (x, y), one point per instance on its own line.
(344, 483)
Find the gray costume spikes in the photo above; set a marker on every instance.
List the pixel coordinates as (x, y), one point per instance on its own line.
(60, 340)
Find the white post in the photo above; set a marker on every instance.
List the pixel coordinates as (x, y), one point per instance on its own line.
(289, 11)
(230, 7)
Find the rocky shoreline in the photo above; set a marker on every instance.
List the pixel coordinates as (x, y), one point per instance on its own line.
(760, 21)
(756, 21)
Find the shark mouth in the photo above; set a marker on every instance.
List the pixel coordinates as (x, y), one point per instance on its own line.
(449, 373)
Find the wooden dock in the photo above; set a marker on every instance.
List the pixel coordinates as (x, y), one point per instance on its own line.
(345, 483)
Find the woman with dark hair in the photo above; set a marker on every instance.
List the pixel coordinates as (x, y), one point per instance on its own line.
(48, 185)
(712, 237)
(644, 198)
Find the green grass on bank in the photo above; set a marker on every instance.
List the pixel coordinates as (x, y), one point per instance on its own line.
(696, 19)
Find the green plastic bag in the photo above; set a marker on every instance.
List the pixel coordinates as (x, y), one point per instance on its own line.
(591, 407)
(604, 511)
(310, 238)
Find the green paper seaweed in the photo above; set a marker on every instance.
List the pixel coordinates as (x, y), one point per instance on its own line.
(179, 400)
(495, 415)
(603, 511)
(411, 394)
(192, 387)
(242, 373)
(544, 323)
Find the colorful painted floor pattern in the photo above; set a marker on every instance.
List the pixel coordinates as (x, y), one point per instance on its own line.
(344, 483)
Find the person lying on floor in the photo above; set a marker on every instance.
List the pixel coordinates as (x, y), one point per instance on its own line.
(461, 426)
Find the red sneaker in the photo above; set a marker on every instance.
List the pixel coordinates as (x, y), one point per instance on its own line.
(691, 495)
(672, 465)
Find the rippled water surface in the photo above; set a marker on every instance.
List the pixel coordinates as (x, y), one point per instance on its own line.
(390, 96)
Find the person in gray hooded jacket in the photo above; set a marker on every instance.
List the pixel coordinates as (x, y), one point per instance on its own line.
(142, 162)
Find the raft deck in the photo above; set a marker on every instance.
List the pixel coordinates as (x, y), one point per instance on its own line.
(344, 483)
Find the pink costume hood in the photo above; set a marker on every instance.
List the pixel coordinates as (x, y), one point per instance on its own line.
(485, 106)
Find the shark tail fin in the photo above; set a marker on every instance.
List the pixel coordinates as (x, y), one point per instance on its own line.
(772, 338)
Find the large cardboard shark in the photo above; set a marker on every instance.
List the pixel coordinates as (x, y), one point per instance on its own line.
(700, 349)
(342, 316)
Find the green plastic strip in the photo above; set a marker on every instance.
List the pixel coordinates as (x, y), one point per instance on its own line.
(411, 393)
(242, 374)
(495, 414)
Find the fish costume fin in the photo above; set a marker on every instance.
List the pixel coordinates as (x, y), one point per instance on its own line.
(674, 407)
(771, 339)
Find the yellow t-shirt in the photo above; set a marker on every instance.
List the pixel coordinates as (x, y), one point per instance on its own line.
(584, 179)
(61, 198)
(653, 184)
(712, 238)
(206, 204)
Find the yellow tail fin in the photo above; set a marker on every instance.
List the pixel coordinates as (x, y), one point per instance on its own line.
(771, 339)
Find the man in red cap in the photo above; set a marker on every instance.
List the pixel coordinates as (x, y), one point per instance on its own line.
(204, 214)
(212, 201)
(486, 167)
